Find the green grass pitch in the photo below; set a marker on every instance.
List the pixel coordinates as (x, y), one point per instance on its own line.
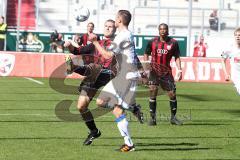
(30, 129)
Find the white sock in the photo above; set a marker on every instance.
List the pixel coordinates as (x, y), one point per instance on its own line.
(122, 124)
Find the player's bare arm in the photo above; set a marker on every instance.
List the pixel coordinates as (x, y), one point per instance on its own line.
(179, 72)
(227, 76)
(106, 54)
(75, 49)
(71, 45)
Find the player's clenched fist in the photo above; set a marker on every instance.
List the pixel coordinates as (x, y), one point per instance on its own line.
(66, 44)
(92, 37)
(70, 45)
(227, 77)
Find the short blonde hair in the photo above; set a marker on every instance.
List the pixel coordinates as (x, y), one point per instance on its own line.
(237, 30)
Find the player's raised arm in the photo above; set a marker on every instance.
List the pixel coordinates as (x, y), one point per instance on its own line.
(106, 54)
(69, 44)
(75, 49)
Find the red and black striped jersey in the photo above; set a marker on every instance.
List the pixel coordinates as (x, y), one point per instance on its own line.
(105, 62)
(162, 52)
(91, 55)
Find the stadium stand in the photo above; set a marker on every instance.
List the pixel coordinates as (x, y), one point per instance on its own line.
(58, 14)
(55, 16)
(28, 14)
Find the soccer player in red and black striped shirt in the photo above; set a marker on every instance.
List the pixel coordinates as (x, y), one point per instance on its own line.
(162, 49)
(97, 79)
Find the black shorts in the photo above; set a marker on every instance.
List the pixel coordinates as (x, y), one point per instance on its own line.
(90, 88)
(166, 81)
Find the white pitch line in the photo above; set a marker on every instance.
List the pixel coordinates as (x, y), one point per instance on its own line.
(40, 115)
(34, 80)
(16, 114)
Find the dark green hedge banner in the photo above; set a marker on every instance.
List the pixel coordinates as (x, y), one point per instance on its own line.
(40, 42)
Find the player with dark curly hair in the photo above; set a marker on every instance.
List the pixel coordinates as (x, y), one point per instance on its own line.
(162, 49)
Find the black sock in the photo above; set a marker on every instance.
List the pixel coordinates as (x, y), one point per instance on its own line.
(152, 106)
(173, 106)
(89, 120)
(134, 108)
(80, 70)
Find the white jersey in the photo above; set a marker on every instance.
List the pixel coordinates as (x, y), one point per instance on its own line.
(124, 45)
(234, 56)
(122, 88)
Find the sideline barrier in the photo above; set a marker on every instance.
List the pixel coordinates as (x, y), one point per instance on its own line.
(32, 64)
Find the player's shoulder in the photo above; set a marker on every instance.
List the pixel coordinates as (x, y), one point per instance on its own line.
(228, 51)
(235, 51)
(126, 33)
(154, 39)
(172, 40)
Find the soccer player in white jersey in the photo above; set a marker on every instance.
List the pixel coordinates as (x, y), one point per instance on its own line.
(119, 93)
(234, 56)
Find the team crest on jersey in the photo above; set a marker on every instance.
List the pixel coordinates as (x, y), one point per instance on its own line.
(7, 62)
(169, 47)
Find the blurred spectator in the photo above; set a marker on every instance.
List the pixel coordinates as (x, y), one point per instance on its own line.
(3, 30)
(29, 39)
(213, 21)
(84, 38)
(200, 48)
(56, 45)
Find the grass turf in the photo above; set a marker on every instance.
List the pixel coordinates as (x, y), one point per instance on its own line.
(30, 129)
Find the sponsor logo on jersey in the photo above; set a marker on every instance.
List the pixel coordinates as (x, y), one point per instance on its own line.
(7, 62)
(162, 51)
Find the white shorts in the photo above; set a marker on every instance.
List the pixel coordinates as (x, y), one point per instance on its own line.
(119, 92)
(237, 86)
(236, 82)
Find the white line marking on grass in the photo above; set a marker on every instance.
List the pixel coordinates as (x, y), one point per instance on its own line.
(17, 114)
(43, 115)
(34, 80)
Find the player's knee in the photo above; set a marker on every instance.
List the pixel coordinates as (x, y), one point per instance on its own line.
(153, 90)
(83, 102)
(172, 95)
(81, 107)
(100, 102)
